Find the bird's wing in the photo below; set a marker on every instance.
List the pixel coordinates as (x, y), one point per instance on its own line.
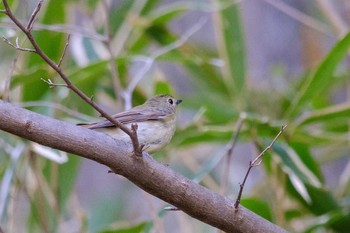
(131, 116)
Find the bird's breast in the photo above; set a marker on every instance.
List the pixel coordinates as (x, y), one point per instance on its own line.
(154, 134)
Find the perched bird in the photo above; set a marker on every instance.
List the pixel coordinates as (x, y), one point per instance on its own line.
(156, 121)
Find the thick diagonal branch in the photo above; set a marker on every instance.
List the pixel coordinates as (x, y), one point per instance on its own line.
(153, 177)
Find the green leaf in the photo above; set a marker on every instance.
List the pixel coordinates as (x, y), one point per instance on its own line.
(193, 135)
(322, 200)
(160, 34)
(90, 50)
(232, 48)
(207, 80)
(33, 88)
(336, 220)
(139, 228)
(340, 222)
(46, 39)
(163, 87)
(307, 159)
(300, 175)
(325, 114)
(106, 210)
(118, 16)
(209, 165)
(67, 176)
(323, 76)
(149, 6)
(166, 14)
(257, 206)
(316, 139)
(83, 75)
(318, 200)
(87, 79)
(294, 166)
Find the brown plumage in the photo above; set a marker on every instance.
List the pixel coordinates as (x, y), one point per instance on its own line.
(156, 120)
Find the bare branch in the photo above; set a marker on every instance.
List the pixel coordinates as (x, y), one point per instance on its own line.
(64, 51)
(53, 85)
(269, 146)
(32, 17)
(256, 162)
(17, 45)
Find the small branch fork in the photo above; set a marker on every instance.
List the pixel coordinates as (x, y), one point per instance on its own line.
(17, 46)
(64, 51)
(256, 162)
(27, 30)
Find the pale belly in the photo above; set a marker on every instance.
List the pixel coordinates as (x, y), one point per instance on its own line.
(153, 134)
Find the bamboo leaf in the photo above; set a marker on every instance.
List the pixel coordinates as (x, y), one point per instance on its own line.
(325, 114)
(322, 77)
(232, 48)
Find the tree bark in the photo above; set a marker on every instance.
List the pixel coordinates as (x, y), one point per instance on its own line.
(151, 176)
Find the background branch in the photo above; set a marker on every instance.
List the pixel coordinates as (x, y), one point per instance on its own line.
(153, 177)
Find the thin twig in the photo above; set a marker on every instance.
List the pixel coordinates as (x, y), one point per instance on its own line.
(17, 45)
(137, 148)
(226, 173)
(32, 17)
(254, 163)
(64, 51)
(53, 85)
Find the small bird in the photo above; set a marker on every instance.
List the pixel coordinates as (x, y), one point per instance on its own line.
(156, 121)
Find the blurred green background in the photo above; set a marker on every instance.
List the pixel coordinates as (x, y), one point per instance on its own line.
(263, 63)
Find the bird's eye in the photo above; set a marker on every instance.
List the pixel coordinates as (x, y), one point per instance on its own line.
(170, 101)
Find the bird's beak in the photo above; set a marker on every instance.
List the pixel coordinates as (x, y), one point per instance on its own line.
(178, 101)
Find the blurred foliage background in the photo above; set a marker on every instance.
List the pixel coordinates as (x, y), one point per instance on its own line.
(259, 63)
